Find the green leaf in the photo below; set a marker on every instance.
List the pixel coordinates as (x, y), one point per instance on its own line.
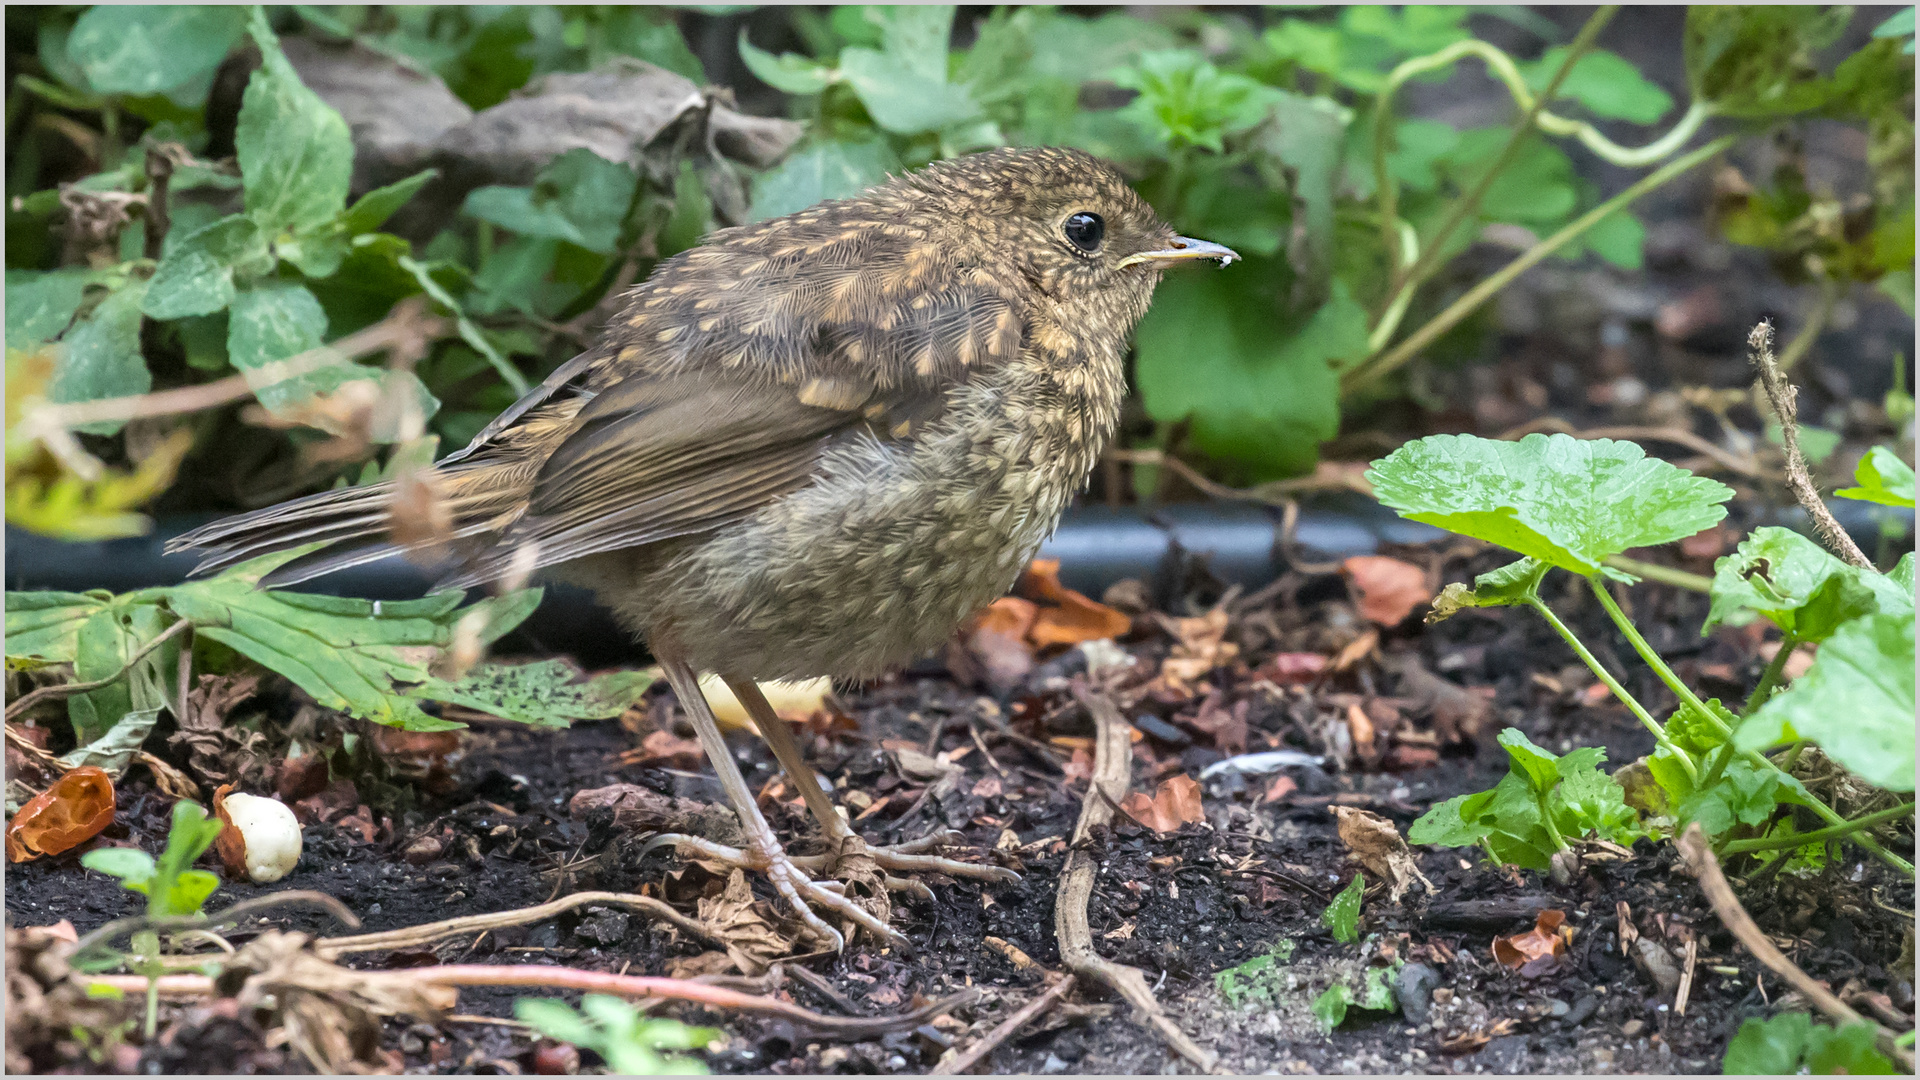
(1537, 766)
(1619, 238)
(41, 304)
(130, 865)
(1791, 1042)
(44, 627)
(104, 644)
(1757, 61)
(579, 197)
(544, 694)
(1592, 801)
(1857, 702)
(1330, 1008)
(555, 1019)
(1343, 915)
(788, 73)
(1795, 582)
(1568, 502)
(824, 170)
(1882, 477)
(295, 151)
(372, 210)
(178, 890)
(1606, 83)
(146, 50)
(1257, 395)
(278, 322)
(1536, 189)
(1305, 136)
(1847, 1050)
(196, 277)
(1185, 100)
(113, 751)
(901, 98)
(100, 357)
(1899, 24)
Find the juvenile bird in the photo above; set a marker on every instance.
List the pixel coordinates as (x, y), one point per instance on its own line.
(809, 447)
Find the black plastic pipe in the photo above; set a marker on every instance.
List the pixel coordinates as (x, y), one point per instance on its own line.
(1096, 546)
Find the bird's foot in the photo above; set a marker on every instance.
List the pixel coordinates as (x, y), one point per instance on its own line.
(798, 887)
(910, 857)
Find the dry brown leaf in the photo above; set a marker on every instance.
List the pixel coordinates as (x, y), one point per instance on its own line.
(1388, 589)
(734, 919)
(1174, 803)
(1380, 849)
(711, 962)
(1292, 668)
(664, 748)
(331, 1014)
(998, 637)
(1200, 646)
(70, 813)
(220, 750)
(1537, 951)
(1065, 617)
(1361, 726)
(1356, 650)
(1282, 786)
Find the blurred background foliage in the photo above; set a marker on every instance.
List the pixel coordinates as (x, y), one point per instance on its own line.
(198, 193)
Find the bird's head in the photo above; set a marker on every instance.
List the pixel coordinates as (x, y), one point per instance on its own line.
(1064, 219)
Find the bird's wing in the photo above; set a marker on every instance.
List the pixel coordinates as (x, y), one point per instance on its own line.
(734, 365)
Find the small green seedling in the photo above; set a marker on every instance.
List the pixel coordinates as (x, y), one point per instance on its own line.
(1791, 1043)
(1578, 505)
(611, 1027)
(170, 884)
(1257, 980)
(1343, 915)
(1375, 994)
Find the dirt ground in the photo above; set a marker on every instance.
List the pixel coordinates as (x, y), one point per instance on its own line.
(1183, 906)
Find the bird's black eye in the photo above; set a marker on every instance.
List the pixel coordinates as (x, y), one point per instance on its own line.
(1085, 230)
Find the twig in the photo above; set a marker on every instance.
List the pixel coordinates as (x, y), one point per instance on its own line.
(1706, 869)
(1112, 768)
(228, 916)
(427, 933)
(27, 701)
(974, 1054)
(1676, 435)
(1685, 991)
(1781, 394)
(821, 986)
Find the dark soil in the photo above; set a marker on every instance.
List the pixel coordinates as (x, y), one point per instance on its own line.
(1180, 906)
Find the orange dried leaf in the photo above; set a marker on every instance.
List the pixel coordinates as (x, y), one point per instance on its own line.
(1065, 617)
(66, 815)
(1174, 803)
(1389, 589)
(665, 748)
(228, 843)
(1538, 950)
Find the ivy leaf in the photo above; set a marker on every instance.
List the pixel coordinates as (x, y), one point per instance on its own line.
(824, 170)
(100, 357)
(1882, 478)
(1568, 502)
(1857, 702)
(1605, 83)
(295, 151)
(1795, 582)
(788, 73)
(1261, 398)
(1342, 916)
(140, 50)
(196, 276)
(545, 694)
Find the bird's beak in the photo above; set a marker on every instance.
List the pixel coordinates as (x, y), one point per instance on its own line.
(1182, 249)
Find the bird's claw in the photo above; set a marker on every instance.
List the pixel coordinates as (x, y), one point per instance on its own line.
(794, 884)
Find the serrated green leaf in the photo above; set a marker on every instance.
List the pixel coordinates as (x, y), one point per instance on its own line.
(1857, 702)
(196, 276)
(1536, 189)
(1185, 100)
(1537, 765)
(370, 211)
(1208, 352)
(1792, 1042)
(295, 150)
(143, 50)
(1796, 583)
(544, 694)
(1568, 502)
(1619, 238)
(788, 73)
(1342, 916)
(104, 645)
(1607, 84)
(1881, 478)
(178, 890)
(44, 627)
(1846, 1050)
(101, 358)
(825, 170)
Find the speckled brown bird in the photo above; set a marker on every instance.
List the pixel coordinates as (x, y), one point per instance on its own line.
(811, 446)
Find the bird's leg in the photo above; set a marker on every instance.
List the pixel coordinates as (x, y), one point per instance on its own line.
(841, 839)
(762, 851)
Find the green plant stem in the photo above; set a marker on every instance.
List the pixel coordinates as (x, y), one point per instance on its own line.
(1666, 575)
(1717, 766)
(1816, 322)
(1818, 836)
(1770, 678)
(1383, 363)
(1613, 684)
(1522, 131)
(1692, 701)
(1792, 757)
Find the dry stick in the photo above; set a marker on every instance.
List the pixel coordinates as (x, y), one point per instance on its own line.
(1112, 769)
(427, 933)
(974, 1054)
(1781, 394)
(25, 702)
(1706, 869)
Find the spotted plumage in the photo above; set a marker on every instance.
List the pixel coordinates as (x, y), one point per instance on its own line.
(811, 445)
